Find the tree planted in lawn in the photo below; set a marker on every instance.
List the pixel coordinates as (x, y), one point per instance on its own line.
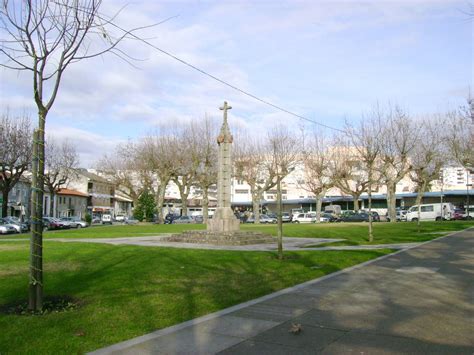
(43, 38)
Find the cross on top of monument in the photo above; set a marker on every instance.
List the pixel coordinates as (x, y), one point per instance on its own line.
(224, 135)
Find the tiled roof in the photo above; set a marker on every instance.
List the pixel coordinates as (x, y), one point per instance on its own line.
(71, 193)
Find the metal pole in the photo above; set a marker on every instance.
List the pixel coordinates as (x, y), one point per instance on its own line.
(280, 222)
(467, 191)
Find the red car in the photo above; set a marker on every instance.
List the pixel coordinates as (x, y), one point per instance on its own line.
(458, 214)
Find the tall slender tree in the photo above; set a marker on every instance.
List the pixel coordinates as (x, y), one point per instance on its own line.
(365, 140)
(43, 38)
(316, 159)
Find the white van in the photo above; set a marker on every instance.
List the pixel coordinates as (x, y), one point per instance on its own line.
(106, 218)
(431, 212)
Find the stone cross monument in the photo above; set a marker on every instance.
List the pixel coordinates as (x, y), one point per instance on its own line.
(223, 219)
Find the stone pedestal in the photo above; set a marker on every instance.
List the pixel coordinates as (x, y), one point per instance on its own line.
(223, 220)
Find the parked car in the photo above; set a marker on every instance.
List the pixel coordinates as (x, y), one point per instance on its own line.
(96, 220)
(351, 216)
(15, 222)
(120, 218)
(431, 212)
(51, 223)
(130, 221)
(183, 220)
(286, 217)
(170, 218)
(264, 219)
(331, 217)
(375, 215)
(75, 222)
(304, 218)
(458, 214)
(106, 219)
(198, 219)
(6, 228)
(401, 216)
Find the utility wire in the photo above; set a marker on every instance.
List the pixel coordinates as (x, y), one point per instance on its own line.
(216, 78)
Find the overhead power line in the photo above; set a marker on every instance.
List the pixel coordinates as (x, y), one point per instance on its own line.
(255, 97)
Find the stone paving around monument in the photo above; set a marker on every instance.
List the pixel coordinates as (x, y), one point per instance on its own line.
(417, 301)
(289, 244)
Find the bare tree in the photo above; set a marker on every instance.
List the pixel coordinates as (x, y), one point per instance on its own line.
(157, 154)
(316, 160)
(15, 153)
(206, 154)
(365, 140)
(428, 157)
(399, 138)
(285, 150)
(61, 160)
(126, 169)
(187, 161)
(254, 166)
(460, 135)
(347, 171)
(44, 38)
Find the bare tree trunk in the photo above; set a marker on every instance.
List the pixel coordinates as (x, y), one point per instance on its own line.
(256, 207)
(184, 200)
(419, 198)
(205, 205)
(51, 204)
(160, 198)
(391, 202)
(5, 203)
(280, 222)
(35, 299)
(356, 203)
(319, 204)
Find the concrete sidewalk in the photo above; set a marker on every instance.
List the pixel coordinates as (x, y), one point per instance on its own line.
(418, 301)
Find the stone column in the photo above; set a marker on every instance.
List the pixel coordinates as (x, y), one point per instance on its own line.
(223, 219)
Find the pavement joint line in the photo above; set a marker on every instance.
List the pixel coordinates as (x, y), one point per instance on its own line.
(158, 333)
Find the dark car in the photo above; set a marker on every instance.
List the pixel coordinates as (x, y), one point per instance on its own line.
(331, 217)
(170, 218)
(51, 223)
(355, 217)
(375, 216)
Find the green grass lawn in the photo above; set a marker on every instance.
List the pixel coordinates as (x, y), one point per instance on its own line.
(127, 291)
(354, 233)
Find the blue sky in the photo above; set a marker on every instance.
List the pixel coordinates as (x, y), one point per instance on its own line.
(328, 61)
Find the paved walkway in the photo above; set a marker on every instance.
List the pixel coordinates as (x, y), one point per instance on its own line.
(288, 244)
(417, 301)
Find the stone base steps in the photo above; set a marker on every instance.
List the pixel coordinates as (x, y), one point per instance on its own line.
(221, 238)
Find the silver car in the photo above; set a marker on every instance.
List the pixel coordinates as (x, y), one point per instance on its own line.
(75, 222)
(6, 228)
(184, 220)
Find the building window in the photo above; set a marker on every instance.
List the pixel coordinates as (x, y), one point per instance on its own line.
(242, 191)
